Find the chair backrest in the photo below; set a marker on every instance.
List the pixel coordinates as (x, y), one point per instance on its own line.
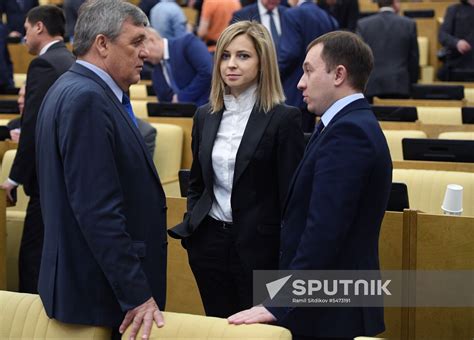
(139, 108)
(439, 115)
(168, 151)
(438, 150)
(138, 91)
(22, 316)
(7, 162)
(426, 188)
(462, 135)
(394, 141)
(423, 48)
(189, 326)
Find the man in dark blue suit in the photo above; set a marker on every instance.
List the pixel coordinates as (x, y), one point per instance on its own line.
(303, 23)
(16, 10)
(182, 69)
(266, 12)
(337, 199)
(104, 209)
(6, 67)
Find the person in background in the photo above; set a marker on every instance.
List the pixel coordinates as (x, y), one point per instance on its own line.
(45, 27)
(246, 145)
(104, 209)
(182, 68)
(456, 35)
(266, 12)
(71, 9)
(168, 19)
(215, 17)
(14, 125)
(15, 11)
(303, 22)
(346, 12)
(394, 43)
(6, 66)
(338, 196)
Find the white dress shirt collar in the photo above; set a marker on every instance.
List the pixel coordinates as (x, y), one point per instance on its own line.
(245, 101)
(387, 9)
(166, 51)
(335, 108)
(265, 17)
(47, 46)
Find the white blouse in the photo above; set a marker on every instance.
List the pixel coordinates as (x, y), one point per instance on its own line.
(234, 120)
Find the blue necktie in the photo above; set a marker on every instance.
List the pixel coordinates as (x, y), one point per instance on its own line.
(170, 76)
(273, 30)
(128, 107)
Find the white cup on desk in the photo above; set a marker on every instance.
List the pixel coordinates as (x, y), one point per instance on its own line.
(452, 203)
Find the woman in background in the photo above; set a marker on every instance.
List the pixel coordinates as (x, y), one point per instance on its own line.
(246, 146)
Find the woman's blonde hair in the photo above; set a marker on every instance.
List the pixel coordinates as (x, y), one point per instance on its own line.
(269, 89)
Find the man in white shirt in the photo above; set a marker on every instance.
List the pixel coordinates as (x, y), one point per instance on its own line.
(267, 12)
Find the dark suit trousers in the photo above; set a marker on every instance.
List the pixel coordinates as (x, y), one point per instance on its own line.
(224, 284)
(31, 247)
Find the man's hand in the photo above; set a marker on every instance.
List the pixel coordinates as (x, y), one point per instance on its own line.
(257, 314)
(9, 187)
(15, 135)
(463, 46)
(143, 314)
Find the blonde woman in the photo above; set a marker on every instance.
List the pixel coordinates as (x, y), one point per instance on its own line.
(246, 147)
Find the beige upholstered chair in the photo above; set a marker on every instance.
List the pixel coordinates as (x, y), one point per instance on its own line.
(138, 91)
(139, 108)
(457, 135)
(394, 140)
(15, 220)
(469, 95)
(426, 188)
(423, 48)
(197, 327)
(22, 317)
(167, 156)
(439, 115)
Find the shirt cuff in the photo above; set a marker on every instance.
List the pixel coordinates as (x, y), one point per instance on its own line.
(12, 182)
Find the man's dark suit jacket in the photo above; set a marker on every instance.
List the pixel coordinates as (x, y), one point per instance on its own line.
(6, 66)
(43, 71)
(103, 206)
(270, 150)
(15, 14)
(331, 221)
(191, 65)
(250, 12)
(303, 24)
(346, 12)
(457, 24)
(394, 43)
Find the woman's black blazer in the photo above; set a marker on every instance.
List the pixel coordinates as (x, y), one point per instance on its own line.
(271, 148)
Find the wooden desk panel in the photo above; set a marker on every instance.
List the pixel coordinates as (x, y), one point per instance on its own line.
(425, 165)
(419, 102)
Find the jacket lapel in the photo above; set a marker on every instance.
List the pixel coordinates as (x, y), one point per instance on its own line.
(111, 96)
(356, 105)
(209, 133)
(253, 132)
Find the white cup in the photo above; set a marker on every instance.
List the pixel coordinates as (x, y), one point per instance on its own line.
(452, 203)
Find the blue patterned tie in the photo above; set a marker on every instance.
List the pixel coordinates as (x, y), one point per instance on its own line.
(170, 76)
(273, 30)
(128, 107)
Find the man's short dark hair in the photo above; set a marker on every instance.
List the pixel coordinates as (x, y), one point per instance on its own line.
(384, 3)
(347, 49)
(52, 18)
